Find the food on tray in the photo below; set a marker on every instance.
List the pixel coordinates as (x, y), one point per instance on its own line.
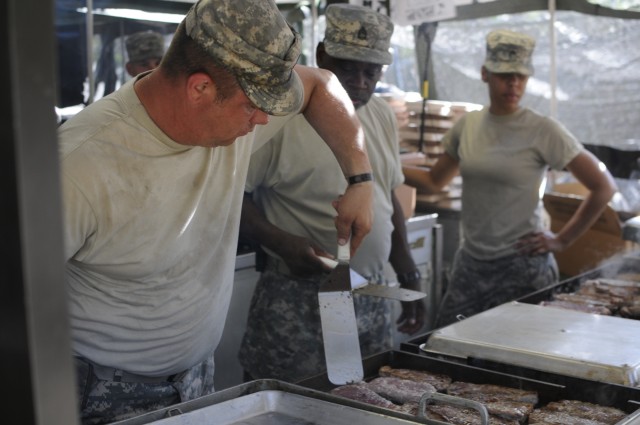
(610, 297)
(402, 389)
(488, 392)
(461, 416)
(543, 417)
(507, 403)
(512, 411)
(360, 392)
(583, 409)
(568, 412)
(439, 381)
(613, 287)
(410, 408)
(631, 311)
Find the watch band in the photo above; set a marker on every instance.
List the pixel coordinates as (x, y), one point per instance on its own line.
(360, 178)
(404, 278)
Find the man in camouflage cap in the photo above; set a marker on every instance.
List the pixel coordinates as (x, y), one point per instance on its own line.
(262, 56)
(292, 218)
(153, 179)
(144, 50)
(357, 34)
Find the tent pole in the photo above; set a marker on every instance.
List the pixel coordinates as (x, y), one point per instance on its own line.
(553, 105)
(89, 33)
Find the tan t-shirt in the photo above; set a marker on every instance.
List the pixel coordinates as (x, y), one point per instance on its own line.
(503, 162)
(150, 230)
(295, 178)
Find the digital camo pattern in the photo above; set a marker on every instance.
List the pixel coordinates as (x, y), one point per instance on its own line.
(358, 33)
(476, 286)
(508, 52)
(284, 335)
(252, 38)
(145, 45)
(104, 401)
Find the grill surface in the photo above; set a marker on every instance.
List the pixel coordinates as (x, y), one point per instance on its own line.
(563, 387)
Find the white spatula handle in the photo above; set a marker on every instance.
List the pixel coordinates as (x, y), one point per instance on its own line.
(344, 251)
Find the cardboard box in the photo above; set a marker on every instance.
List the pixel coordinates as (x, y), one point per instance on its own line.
(601, 242)
(573, 188)
(417, 159)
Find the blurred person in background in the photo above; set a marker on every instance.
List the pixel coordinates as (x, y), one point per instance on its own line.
(144, 51)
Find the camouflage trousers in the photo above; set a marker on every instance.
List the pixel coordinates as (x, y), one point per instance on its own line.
(476, 286)
(283, 339)
(108, 395)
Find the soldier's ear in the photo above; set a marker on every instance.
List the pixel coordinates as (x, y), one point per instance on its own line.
(320, 53)
(199, 85)
(485, 74)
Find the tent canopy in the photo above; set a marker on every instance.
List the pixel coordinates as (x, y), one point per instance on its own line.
(586, 56)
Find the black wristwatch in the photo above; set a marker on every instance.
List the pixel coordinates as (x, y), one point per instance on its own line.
(412, 276)
(360, 178)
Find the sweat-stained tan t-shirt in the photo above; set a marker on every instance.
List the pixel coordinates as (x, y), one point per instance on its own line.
(295, 178)
(503, 163)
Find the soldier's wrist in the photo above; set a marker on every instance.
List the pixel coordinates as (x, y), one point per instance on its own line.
(409, 278)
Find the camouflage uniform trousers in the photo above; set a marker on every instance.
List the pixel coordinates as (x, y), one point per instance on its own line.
(284, 335)
(107, 395)
(476, 286)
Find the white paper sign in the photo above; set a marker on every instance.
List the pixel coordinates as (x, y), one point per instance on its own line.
(415, 12)
(379, 6)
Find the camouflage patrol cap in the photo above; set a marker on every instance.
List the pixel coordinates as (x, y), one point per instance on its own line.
(254, 41)
(144, 45)
(358, 33)
(508, 52)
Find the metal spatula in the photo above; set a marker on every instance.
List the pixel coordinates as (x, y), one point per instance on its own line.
(339, 327)
(360, 285)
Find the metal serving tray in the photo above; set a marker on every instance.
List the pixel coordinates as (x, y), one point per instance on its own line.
(269, 402)
(600, 348)
(628, 263)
